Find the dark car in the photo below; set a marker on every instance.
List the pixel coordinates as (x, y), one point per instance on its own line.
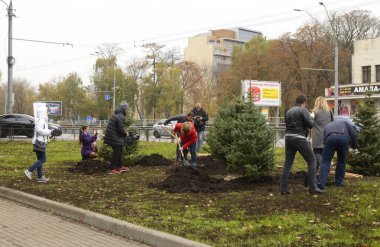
(349, 121)
(22, 125)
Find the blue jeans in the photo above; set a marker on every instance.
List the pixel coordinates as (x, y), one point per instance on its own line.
(200, 140)
(41, 159)
(340, 144)
(192, 152)
(292, 146)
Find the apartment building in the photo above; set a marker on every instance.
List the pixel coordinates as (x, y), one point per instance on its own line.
(214, 48)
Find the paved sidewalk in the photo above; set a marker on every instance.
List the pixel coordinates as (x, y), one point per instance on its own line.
(21, 225)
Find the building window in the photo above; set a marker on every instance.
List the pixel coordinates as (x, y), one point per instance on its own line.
(377, 73)
(366, 74)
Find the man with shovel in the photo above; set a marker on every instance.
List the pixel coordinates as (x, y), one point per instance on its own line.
(188, 137)
(182, 118)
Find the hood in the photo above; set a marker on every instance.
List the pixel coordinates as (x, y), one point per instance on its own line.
(42, 112)
(123, 108)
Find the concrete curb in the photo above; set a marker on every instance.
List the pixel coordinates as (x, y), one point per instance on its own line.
(102, 222)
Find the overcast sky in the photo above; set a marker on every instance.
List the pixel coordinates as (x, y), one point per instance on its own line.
(89, 23)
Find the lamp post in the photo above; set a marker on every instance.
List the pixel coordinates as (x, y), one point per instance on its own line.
(10, 58)
(336, 91)
(336, 69)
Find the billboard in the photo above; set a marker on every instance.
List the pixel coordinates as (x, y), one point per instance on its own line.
(264, 93)
(54, 107)
(353, 89)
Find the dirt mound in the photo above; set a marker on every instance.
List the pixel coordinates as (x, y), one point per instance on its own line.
(90, 167)
(185, 179)
(211, 165)
(152, 160)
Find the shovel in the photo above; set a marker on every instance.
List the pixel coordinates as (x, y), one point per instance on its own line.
(184, 162)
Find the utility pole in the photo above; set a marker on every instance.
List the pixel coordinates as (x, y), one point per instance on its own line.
(10, 58)
(336, 63)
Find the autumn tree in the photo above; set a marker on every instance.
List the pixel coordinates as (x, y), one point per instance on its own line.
(24, 96)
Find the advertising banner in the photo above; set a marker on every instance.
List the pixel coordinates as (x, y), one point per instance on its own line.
(264, 93)
(353, 89)
(53, 107)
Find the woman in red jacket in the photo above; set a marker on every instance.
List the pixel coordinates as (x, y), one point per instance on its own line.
(188, 140)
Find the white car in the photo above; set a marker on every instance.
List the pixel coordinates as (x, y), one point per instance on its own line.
(158, 130)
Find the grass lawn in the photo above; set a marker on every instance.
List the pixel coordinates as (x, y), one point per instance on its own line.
(346, 216)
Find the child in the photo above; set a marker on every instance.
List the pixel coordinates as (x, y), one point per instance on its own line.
(88, 143)
(188, 137)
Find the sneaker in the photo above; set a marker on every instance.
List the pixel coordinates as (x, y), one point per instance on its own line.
(316, 191)
(28, 174)
(42, 180)
(114, 171)
(123, 169)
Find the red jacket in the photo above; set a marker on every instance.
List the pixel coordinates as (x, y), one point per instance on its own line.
(188, 139)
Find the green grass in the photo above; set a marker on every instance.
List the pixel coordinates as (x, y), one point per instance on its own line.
(348, 216)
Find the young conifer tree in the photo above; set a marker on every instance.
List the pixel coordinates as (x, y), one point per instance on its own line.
(241, 135)
(367, 161)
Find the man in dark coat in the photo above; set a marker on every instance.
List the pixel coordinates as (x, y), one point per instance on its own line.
(338, 136)
(115, 137)
(298, 122)
(200, 119)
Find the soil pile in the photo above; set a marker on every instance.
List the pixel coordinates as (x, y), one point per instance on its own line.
(90, 167)
(153, 160)
(212, 166)
(186, 179)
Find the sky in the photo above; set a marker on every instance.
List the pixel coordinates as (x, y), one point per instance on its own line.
(87, 24)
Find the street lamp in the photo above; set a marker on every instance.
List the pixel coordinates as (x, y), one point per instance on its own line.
(10, 59)
(336, 66)
(336, 56)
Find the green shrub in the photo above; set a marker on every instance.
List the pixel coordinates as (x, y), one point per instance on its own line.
(105, 151)
(367, 161)
(241, 136)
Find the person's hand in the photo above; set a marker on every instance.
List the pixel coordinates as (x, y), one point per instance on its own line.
(181, 148)
(355, 151)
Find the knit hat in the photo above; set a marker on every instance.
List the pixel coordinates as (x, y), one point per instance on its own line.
(124, 106)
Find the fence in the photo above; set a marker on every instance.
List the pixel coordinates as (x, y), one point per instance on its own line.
(146, 134)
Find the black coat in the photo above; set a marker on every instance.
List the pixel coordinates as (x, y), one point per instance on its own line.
(298, 121)
(179, 118)
(115, 132)
(200, 125)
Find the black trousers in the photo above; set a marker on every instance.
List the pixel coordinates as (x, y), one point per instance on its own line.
(116, 157)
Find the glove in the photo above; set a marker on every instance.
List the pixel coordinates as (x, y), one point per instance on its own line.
(355, 151)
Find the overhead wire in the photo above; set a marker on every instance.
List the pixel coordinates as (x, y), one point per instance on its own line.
(165, 39)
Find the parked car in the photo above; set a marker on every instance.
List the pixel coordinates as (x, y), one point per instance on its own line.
(348, 120)
(158, 130)
(22, 125)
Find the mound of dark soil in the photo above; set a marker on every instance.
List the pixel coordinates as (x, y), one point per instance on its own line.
(90, 167)
(152, 160)
(185, 179)
(212, 166)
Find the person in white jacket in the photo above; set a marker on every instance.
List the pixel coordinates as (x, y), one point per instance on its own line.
(41, 133)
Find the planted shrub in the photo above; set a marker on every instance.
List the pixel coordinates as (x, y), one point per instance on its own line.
(105, 151)
(367, 161)
(241, 136)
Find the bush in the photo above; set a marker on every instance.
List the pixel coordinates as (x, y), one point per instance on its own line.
(241, 136)
(105, 151)
(367, 161)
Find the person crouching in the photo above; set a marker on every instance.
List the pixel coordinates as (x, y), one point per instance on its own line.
(188, 137)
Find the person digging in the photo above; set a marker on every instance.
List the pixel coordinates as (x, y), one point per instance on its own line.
(188, 141)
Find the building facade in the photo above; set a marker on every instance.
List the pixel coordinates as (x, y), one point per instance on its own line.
(214, 48)
(365, 76)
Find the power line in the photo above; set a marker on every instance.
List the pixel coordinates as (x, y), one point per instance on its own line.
(45, 42)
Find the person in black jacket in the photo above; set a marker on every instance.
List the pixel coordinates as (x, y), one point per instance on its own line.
(338, 136)
(115, 137)
(200, 119)
(180, 119)
(298, 122)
